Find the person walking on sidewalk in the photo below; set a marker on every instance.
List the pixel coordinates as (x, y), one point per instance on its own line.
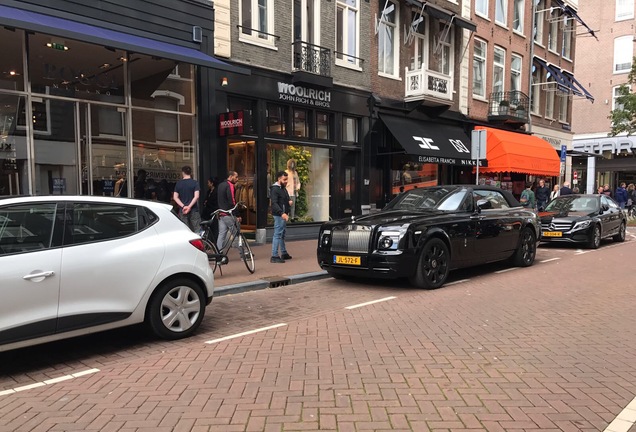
(542, 194)
(227, 199)
(186, 195)
(281, 204)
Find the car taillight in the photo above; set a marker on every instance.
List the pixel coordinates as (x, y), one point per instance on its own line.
(198, 243)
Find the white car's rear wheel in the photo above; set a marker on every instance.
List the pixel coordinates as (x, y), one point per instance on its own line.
(176, 309)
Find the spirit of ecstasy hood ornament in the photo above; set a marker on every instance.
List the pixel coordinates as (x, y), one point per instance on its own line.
(353, 219)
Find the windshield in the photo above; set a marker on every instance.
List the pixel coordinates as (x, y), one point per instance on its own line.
(573, 204)
(434, 198)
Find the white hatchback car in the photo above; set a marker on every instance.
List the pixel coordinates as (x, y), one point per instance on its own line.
(72, 265)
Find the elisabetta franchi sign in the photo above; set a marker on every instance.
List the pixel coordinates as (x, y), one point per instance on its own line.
(304, 95)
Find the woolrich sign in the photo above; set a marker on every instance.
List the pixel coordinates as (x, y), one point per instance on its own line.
(304, 95)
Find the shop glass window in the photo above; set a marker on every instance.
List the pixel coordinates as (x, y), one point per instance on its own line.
(481, 7)
(248, 106)
(276, 119)
(407, 175)
(623, 54)
(166, 125)
(301, 123)
(501, 11)
(515, 72)
(498, 72)
(11, 66)
(308, 170)
(347, 32)
(553, 31)
(27, 228)
(517, 22)
(323, 126)
(153, 78)
(568, 29)
(75, 69)
(387, 38)
(479, 69)
(13, 147)
(624, 9)
(349, 129)
(440, 48)
(538, 22)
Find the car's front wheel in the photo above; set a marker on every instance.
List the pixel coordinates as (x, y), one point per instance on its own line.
(176, 309)
(620, 237)
(595, 238)
(433, 265)
(527, 250)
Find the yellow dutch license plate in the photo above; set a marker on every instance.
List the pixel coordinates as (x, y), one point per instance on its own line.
(552, 234)
(348, 260)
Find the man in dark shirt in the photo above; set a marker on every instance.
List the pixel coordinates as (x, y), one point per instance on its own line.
(542, 194)
(565, 190)
(186, 195)
(281, 204)
(227, 200)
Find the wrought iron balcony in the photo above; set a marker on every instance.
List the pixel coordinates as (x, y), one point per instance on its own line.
(423, 82)
(508, 107)
(312, 58)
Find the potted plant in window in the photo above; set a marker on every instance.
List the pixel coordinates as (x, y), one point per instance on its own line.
(503, 107)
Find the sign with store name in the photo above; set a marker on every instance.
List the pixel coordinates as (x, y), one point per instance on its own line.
(231, 123)
(615, 145)
(304, 95)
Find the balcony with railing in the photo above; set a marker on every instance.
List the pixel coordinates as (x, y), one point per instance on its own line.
(508, 107)
(311, 64)
(424, 82)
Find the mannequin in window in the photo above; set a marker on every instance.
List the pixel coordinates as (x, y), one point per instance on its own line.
(293, 186)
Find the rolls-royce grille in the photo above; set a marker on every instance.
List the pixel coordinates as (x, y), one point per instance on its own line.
(350, 241)
(558, 226)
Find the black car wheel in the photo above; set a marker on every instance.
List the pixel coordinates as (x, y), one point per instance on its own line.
(527, 250)
(176, 309)
(433, 266)
(620, 237)
(595, 238)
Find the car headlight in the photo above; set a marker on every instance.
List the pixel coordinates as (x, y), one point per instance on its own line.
(325, 239)
(389, 240)
(581, 225)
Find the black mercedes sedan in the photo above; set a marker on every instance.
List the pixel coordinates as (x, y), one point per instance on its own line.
(424, 233)
(582, 219)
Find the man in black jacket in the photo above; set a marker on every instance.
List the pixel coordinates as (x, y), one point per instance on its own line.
(227, 200)
(543, 195)
(281, 203)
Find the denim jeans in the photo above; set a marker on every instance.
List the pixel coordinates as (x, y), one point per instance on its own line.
(278, 241)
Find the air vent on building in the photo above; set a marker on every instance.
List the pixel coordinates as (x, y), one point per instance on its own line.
(197, 34)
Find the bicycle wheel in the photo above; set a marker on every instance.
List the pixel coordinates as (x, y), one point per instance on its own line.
(246, 253)
(210, 249)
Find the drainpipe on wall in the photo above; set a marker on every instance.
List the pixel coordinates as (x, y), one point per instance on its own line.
(533, 5)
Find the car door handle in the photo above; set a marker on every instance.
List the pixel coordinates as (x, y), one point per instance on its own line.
(38, 275)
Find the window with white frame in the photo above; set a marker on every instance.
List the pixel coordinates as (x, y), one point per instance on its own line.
(517, 22)
(479, 68)
(388, 49)
(515, 72)
(257, 20)
(501, 11)
(624, 9)
(623, 54)
(418, 47)
(616, 93)
(563, 107)
(498, 72)
(568, 29)
(347, 32)
(549, 100)
(535, 95)
(440, 57)
(553, 32)
(538, 22)
(481, 7)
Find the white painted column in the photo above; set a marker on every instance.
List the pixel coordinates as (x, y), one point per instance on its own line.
(591, 174)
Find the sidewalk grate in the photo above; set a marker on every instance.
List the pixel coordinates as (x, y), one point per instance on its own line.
(277, 281)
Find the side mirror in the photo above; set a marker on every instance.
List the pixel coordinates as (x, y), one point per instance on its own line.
(484, 204)
(604, 208)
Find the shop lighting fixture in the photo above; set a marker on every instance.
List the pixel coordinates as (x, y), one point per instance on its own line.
(57, 46)
(105, 66)
(224, 82)
(123, 59)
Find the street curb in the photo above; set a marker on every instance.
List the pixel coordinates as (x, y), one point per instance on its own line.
(271, 282)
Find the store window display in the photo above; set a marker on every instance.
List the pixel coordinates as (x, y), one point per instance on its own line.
(293, 186)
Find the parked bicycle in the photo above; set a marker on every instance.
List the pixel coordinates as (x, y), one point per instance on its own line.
(234, 238)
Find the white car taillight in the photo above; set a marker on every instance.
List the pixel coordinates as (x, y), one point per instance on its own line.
(198, 243)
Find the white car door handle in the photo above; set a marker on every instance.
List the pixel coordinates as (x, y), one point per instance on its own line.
(38, 275)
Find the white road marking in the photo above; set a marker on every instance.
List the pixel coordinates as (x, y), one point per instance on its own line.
(245, 333)
(551, 259)
(507, 270)
(48, 382)
(581, 252)
(625, 419)
(457, 282)
(370, 302)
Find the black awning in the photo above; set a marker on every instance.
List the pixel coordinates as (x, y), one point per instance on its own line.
(464, 23)
(572, 13)
(565, 80)
(37, 22)
(444, 15)
(575, 82)
(431, 142)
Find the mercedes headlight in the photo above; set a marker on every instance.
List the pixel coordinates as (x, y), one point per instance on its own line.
(581, 225)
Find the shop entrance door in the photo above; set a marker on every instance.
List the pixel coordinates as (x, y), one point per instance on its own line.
(347, 196)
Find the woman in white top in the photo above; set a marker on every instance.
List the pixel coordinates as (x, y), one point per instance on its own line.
(555, 192)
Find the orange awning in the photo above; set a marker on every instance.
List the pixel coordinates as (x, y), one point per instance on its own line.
(515, 152)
